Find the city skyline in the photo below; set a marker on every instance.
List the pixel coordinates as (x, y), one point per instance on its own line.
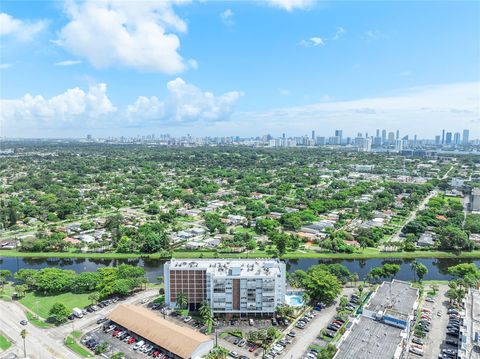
(209, 68)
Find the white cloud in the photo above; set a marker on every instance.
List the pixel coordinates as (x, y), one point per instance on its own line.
(79, 109)
(315, 41)
(68, 63)
(421, 110)
(284, 92)
(184, 103)
(139, 35)
(290, 5)
(227, 17)
(339, 33)
(23, 30)
(372, 35)
(5, 66)
(74, 105)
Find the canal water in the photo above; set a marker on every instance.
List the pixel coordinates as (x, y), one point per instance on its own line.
(437, 268)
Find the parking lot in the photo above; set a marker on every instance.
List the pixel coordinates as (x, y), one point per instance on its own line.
(120, 340)
(434, 343)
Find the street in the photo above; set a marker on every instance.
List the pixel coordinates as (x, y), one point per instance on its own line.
(48, 343)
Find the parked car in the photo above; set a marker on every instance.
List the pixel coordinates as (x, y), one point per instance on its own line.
(187, 319)
(292, 334)
(233, 354)
(417, 341)
(138, 345)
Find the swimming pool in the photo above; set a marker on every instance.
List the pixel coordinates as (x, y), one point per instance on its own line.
(294, 299)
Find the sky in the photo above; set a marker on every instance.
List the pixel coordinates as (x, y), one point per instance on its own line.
(238, 68)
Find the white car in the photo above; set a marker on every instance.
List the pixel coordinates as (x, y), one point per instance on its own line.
(138, 345)
(187, 319)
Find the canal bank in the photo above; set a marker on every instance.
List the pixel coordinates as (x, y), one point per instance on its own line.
(437, 267)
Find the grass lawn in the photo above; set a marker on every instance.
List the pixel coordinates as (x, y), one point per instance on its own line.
(37, 322)
(6, 292)
(4, 343)
(41, 304)
(71, 343)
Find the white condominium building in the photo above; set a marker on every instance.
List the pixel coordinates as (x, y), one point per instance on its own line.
(231, 286)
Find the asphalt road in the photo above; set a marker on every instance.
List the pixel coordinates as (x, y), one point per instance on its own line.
(48, 343)
(308, 335)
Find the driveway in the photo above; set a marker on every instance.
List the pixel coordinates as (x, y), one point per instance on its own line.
(308, 336)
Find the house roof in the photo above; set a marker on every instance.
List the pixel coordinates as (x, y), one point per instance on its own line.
(182, 341)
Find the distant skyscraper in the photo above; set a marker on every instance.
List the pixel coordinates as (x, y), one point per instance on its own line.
(378, 133)
(456, 138)
(397, 135)
(384, 136)
(338, 133)
(443, 137)
(398, 145)
(448, 138)
(89, 137)
(391, 137)
(466, 134)
(313, 134)
(437, 140)
(283, 135)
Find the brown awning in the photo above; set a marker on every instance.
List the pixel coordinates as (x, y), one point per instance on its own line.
(179, 340)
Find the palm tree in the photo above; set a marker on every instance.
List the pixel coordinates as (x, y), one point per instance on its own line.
(23, 334)
(182, 300)
(205, 309)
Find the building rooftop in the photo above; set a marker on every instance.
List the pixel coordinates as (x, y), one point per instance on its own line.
(182, 341)
(370, 339)
(396, 296)
(229, 267)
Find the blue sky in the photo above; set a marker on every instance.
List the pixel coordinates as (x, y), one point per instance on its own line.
(238, 68)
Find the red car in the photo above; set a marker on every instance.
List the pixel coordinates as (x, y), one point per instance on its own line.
(131, 340)
(156, 353)
(115, 333)
(253, 348)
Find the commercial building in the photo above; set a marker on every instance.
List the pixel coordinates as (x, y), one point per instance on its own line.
(172, 339)
(469, 344)
(475, 200)
(234, 287)
(383, 328)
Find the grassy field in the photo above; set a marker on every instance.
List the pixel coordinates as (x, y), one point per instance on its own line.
(4, 343)
(41, 305)
(72, 344)
(36, 321)
(360, 254)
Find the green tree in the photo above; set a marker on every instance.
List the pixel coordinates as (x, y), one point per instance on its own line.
(321, 285)
(182, 300)
(58, 313)
(5, 274)
(327, 352)
(421, 270)
(94, 297)
(454, 238)
(218, 353)
(468, 272)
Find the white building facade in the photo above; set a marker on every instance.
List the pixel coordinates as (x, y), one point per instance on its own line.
(242, 287)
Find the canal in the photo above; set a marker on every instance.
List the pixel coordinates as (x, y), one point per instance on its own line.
(437, 267)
